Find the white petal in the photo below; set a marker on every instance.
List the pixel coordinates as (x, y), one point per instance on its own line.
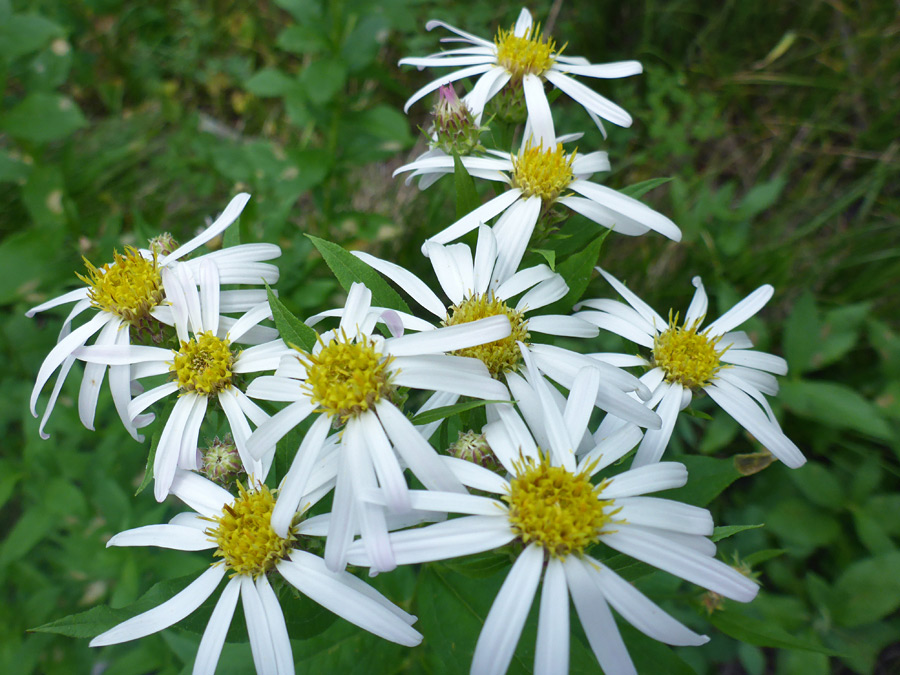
(446, 79)
(627, 206)
(359, 299)
(169, 447)
(450, 338)
(454, 268)
(65, 298)
(214, 636)
(281, 643)
(551, 654)
(63, 349)
(736, 340)
(308, 574)
(342, 526)
(590, 99)
(750, 380)
(639, 611)
(200, 493)
(513, 231)
(665, 514)
(650, 478)
(558, 324)
(538, 108)
(747, 413)
(523, 280)
(162, 616)
(248, 320)
(165, 536)
(276, 427)
(759, 360)
(444, 373)
(682, 562)
(187, 453)
(696, 311)
(485, 258)
(645, 310)
(475, 218)
(596, 619)
(228, 216)
(475, 476)
(416, 452)
(612, 448)
(294, 484)
(543, 294)
(140, 403)
(742, 311)
(655, 441)
(487, 86)
(208, 277)
(122, 355)
(580, 402)
(445, 502)
(261, 645)
(408, 281)
(613, 70)
(605, 216)
(503, 625)
(387, 468)
(590, 163)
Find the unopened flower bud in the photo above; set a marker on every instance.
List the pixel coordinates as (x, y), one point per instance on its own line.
(474, 448)
(163, 244)
(221, 463)
(454, 129)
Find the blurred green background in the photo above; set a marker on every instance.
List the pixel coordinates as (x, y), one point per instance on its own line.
(776, 121)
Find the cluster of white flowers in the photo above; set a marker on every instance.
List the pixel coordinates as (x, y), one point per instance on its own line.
(539, 477)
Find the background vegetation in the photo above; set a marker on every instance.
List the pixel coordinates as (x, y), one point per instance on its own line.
(776, 121)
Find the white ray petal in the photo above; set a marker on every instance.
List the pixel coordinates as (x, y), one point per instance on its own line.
(164, 536)
(745, 309)
(216, 629)
(590, 99)
(655, 441)
(481, 215)
(551, 654)
(227, 217)
(408, 281)
(650, 478)
(627, 206)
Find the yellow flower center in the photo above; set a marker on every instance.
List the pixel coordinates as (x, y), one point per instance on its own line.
(129, 287)
(500, 356)
(347, 378)
(531, 53)
(545, 173)
(687, 357)
(560, 511)
(203, 364)
(244, 533)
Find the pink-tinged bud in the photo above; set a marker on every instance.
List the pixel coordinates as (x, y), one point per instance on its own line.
(454, 129)
(221, 462)
(474, 448)
(163, 244)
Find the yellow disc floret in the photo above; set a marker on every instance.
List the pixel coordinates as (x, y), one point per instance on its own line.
(559, 510)
(500, 356)
(532, 53)
(687, 357)
(247, 543)
(545, 173)
(204, 364)
(347, 377)
(128, 287)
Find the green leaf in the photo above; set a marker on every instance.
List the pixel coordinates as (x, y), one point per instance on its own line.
(707, 478)
(834, 405)
(148, 469)
(819, 485)
(25, 534)
(802, 322)
(12, 169)
(762, 556)
(725, 531)
(388, 125)
(42, 118)
(867, 591)
(446, 411)
(761, 633)
(323, 79)
(21, 34)
(577, 270)
(349, 269)
(638, 190)
(547, 254)
(23, 259)
(466, 196)
(797, 521)
(270, 82)
(293, 331)
(760, 197)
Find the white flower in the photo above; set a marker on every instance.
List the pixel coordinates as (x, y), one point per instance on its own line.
(687, 359)
(483, 285)
(549, 505)
(523, 59)
(351, 376)
(201, 370)
(238, 527)
(128, 295)
(539, 177)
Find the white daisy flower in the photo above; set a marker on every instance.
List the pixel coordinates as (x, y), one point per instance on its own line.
(128, 294)
(551, 507)
(240, 531)
(539, 177)
(202, 369)
(523, 59)
(351, 377)
(480, 286)
(687, 359)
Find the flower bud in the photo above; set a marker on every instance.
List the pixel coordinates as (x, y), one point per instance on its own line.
(454, 129)
(474, 448)
(221, 463)
(163, 244)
